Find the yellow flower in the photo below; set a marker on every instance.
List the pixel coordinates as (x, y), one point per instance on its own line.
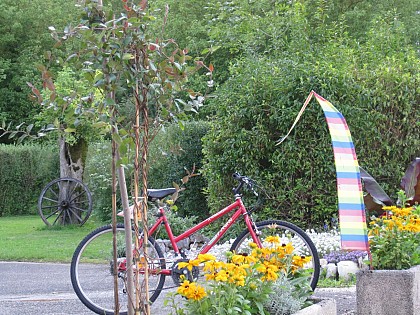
(272, 239)
(206, 257)
(211, 266)
(238, 259)
(210, 276)
(412, 228)
(268, 270)
(183, 288)
(239, 280)
(402, 212)
(253, 245)
(288, 248)
(190, 264)
(196, 292)
(191, 290)
(300, 261)
(222, 276)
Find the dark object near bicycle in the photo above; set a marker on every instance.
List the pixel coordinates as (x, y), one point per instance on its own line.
(65, 201)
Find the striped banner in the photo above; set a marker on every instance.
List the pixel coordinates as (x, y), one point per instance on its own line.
(351, 209)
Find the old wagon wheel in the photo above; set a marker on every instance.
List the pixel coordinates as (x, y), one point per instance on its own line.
(65, 201)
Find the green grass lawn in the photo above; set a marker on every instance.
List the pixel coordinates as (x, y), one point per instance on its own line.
(27, 238)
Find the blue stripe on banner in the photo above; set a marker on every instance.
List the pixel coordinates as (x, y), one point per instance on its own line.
(353, 175)
(354, 237)
(336, 114)
(351, 206)
(340, 144)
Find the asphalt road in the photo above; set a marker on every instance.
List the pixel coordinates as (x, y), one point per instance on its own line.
(45, 289)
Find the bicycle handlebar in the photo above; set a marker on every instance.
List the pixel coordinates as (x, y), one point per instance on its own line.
(243, 180)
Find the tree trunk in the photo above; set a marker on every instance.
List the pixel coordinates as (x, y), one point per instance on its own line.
(72, 163)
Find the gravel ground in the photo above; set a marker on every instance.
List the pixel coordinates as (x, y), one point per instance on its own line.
(344, 297)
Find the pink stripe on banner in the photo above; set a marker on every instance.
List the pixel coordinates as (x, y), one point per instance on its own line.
(344, 212)
(347, 181)
(344, 150)
(355, 245)
(337, 121)
(351, 218)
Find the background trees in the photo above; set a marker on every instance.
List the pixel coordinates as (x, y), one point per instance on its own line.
(362, 55)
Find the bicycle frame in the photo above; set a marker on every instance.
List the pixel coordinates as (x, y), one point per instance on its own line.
(240, 210)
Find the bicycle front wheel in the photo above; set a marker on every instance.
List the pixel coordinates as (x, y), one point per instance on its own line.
(288, 233)
(92, 276)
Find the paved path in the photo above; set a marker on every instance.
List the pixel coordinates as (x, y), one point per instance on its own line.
(45, 288)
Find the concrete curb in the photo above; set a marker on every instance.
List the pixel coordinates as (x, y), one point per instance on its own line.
(320, 307)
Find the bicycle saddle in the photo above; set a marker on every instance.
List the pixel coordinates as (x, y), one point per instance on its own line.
(160, 193)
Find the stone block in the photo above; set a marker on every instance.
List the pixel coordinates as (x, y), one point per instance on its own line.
(331, 271)
(388, 292)
(346, 269)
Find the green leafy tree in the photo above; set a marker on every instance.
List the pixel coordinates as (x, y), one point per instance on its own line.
(374, 84)
(25, 38)
(117, 56)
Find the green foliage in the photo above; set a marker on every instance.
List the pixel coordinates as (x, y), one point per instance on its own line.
(374, 84)
(172, 152)
(24, 25)
(25, 170)
(325, 282)
(289, 296)
(98, 179)
(395, 238)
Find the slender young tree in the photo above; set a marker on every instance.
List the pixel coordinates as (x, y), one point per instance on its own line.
(121, 60)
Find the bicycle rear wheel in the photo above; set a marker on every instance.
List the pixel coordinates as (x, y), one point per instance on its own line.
(287, 232)
(91, 270)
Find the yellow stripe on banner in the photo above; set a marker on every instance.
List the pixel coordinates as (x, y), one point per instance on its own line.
(337, 127)
(344, 157)
(347, 197)
(346, 168)
(340, 138)
(340, 132)
(347, 188)
(347, 162)
(326, 106)
(353, 231)
(352, 225)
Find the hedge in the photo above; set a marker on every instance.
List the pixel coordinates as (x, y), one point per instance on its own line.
(25, 170)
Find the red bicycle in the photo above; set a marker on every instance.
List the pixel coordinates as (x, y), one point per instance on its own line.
(92, 268)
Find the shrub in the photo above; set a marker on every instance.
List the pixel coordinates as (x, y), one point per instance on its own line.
(171, 152)
(373, 84)
(395, 238)
(25, 170)
(174, 151)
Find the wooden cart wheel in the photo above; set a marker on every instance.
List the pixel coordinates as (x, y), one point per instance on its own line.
(65, 201)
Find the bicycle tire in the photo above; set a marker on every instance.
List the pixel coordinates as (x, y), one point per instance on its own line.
(288, 232)
(91, 270)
